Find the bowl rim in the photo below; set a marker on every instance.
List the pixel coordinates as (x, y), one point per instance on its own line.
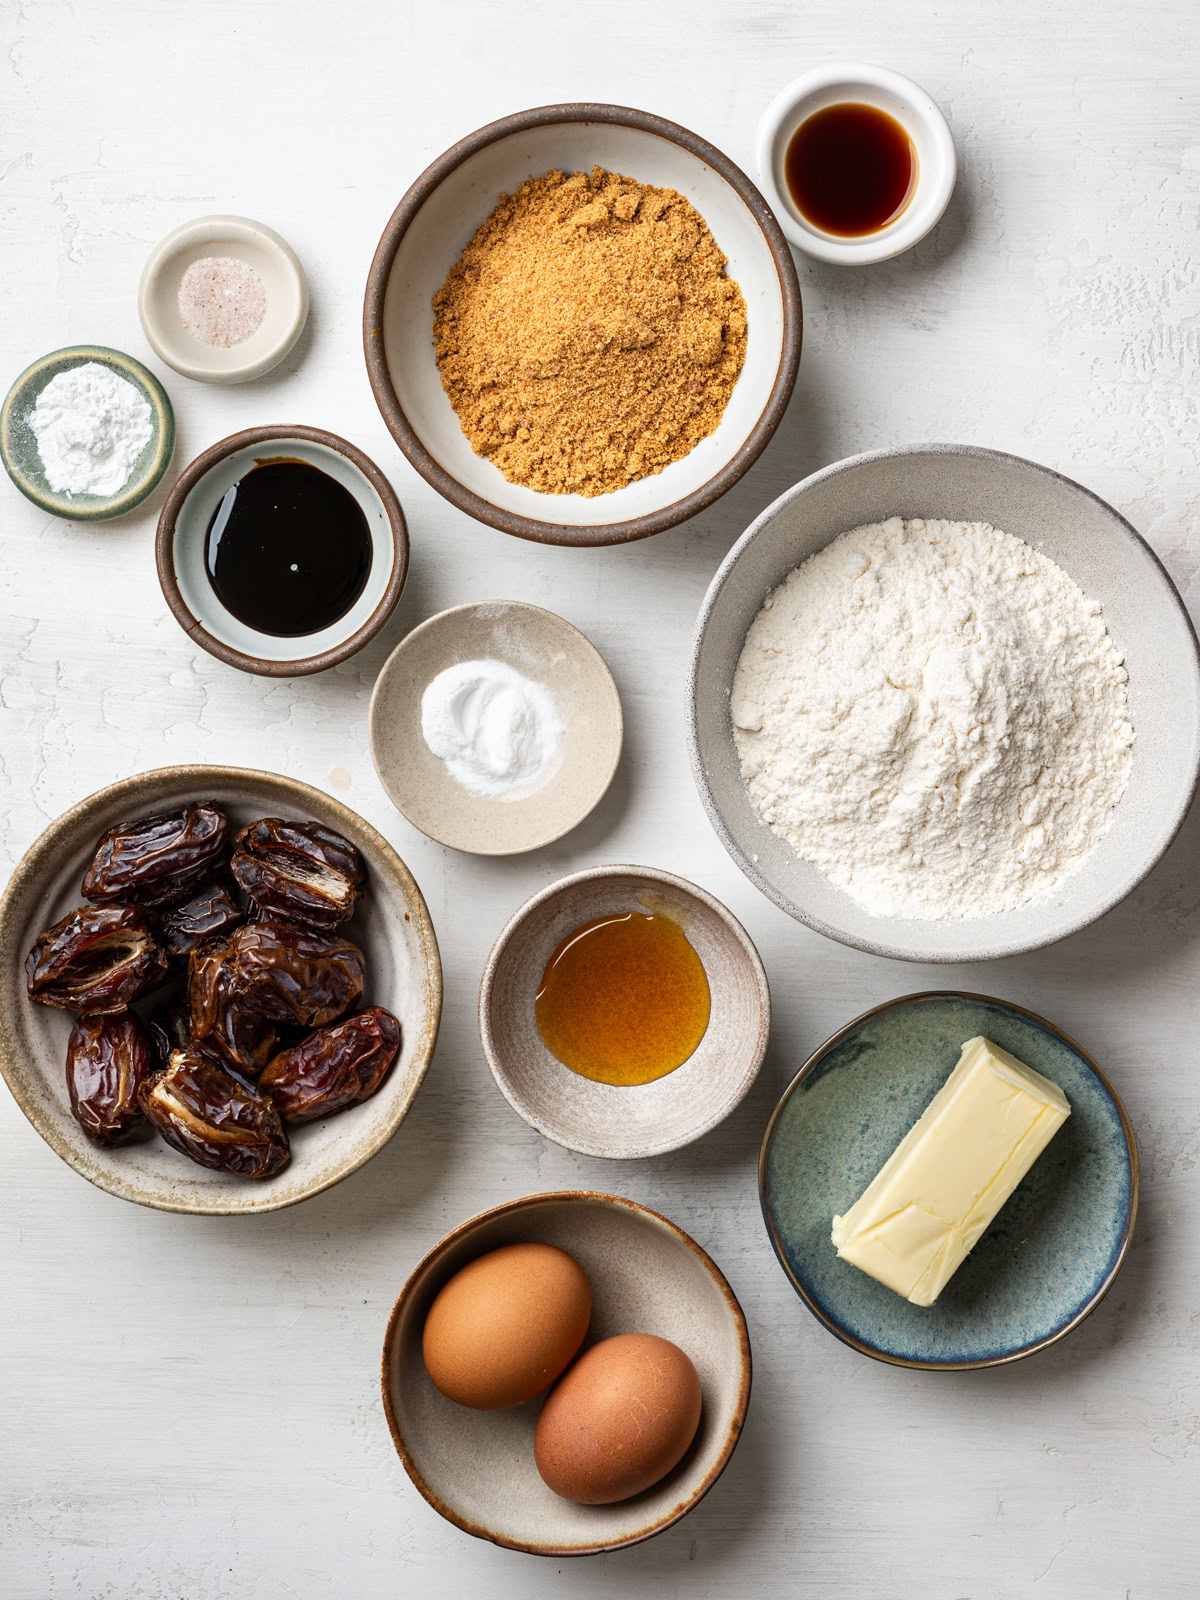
(217, 228)
(134, 491)
(587, 534)
(527, 1203)
(377, 700)
(164, 551)
(921, 997)
(201, 775)
(653, 875)
(880, 947)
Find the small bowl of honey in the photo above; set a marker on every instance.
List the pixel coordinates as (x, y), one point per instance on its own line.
(624, 1012)
(857, 163)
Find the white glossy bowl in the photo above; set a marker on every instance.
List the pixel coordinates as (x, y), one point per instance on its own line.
(841, 81)
(428, 232)
(183, 531)
(1090, 541)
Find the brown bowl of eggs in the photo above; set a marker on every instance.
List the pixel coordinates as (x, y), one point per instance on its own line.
(566, 1374)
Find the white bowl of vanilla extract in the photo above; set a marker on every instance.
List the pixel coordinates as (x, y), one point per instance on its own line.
(282, 550)
(856, 162)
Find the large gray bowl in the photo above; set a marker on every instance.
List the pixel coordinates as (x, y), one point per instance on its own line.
(1105, 556)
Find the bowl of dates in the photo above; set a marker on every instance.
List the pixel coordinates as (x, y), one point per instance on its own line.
(220, 989)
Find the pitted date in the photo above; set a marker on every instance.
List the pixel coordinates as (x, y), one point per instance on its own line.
(294, 976)
(218, 1018)
(158, 860)
(209, 912)
(334, 1067)
(298, 871)
(108, 1061)
(98, 958)
(212, 1116)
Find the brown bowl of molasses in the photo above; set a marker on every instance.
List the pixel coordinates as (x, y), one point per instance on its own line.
(282, 550)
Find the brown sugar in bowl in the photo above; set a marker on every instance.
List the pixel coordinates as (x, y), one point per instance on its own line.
(435, 220)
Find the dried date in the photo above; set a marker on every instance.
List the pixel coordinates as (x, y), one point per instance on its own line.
(158, 860)
(168, 1028)
(98, 958)
(298, 871)
(294, 976)
(334, 1067)
(209, 912)
(212, 1116)
(245, 1038)
(108, 1061)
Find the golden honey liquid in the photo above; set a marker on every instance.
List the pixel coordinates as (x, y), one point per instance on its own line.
(624, 1000)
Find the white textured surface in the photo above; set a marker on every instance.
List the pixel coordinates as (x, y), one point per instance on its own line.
(191, 1404)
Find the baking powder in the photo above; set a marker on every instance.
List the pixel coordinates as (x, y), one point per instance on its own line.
(934, 715)
(91, 425)
(498, 732)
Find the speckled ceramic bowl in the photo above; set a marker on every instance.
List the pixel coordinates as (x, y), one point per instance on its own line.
(392, 927)
(1053, 1251)
(646, 1119)
(436, 219)
(476, 1468)
(1111, 563)
(19, 447)
(543, 647)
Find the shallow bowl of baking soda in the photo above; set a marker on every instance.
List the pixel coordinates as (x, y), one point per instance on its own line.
(436, 219)
(495, 727)
(119, 439)
(1105, 557)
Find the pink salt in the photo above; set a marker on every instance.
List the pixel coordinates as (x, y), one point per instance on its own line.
(221, 300)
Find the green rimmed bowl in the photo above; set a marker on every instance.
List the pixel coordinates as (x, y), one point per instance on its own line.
(1054, 1249)
(19, 450)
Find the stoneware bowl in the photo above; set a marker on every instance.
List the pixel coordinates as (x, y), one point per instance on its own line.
(647, 1276)
(283, 281)
(1096, 547)
(436, 219)
(544, 648)
(1055, 1247)
(183, 529)
(599, 1119)
(19, 447)
(403, 974)
(910, 106)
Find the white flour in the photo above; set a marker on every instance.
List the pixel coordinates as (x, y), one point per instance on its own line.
(91, 425)
(934, 715)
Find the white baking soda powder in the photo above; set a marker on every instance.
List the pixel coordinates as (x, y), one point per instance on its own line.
(498, 732)
(91, 425)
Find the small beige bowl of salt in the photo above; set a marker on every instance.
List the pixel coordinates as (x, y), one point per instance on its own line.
(223, 299)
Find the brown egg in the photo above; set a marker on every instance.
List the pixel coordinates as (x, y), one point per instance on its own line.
(619, 1420)
(506, 1325)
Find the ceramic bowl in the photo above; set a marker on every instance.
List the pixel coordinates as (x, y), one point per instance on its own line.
(1054, 1249)
(598, 1119)
(183, 529)
(403, 974)
(1096, 547)
(19, 446)
(544, 648)
(476, 1468)
(255, 245)
(434, 222)
(835, 84)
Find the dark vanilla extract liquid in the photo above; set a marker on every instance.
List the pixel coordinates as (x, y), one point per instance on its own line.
(850, 169)
(288, 550)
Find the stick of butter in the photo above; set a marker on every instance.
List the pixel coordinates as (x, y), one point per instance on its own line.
(940, 1189)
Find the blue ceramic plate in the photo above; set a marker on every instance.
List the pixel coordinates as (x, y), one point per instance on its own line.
(19, 450)
(1053, 1251)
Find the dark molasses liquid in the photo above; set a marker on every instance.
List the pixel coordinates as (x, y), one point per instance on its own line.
(850, 169)
(288, 550)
